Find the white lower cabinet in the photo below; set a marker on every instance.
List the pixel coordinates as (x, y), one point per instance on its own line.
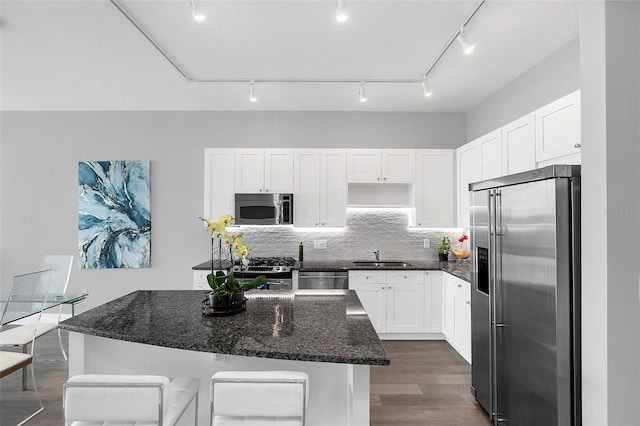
(374, 300)
(401, 304)
(405, 302)
(456, 318)
(433, 301)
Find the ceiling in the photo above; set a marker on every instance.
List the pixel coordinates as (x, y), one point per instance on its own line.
(86, 55)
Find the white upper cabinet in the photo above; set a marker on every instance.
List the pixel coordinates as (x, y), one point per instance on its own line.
(333, 187)
(381, 165)
(306, 187)
(320, 187)
(468, 170)
(490, 150)
(435, 188)
(399, 165)
(558, 128)
(519, 145)
(550, 135)
(264, 170)
(363, 165)
(219, 196)
(278, 170)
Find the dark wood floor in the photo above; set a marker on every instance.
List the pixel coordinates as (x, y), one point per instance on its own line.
(427, 383)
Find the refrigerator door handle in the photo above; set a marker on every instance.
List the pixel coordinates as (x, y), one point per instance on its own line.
(493, 377)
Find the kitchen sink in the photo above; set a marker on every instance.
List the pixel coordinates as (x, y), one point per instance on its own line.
(381, 264)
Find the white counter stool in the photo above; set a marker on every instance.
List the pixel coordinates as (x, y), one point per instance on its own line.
(93, 399)
(259, 398)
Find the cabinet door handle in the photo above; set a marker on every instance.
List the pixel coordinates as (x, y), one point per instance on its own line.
(405, 277)
(260, 189)
(316, 223)
(459, 285)
(389, 287)
(367, 277)
(468, 302)
(385, 178)
(578, 145)
(383, 287)
(378, 178)
(266, 190)
(322, 223)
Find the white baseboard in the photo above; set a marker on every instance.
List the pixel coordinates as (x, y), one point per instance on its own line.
(411, 336)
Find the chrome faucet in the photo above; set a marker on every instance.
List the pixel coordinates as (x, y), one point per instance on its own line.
(377, 253)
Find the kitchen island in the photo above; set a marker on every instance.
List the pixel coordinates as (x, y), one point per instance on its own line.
(328, 336)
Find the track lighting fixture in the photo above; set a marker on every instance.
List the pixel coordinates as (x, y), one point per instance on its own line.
(363, 96)
(341, 16)
(426, 89)
(467, 47)
(252, 92)
(196, 10)
(341, 11)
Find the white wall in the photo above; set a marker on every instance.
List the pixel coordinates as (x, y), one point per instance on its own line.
(610, 64)
(39, 176)
(554, 77)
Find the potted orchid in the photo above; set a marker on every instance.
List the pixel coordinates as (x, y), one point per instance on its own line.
(226, 291)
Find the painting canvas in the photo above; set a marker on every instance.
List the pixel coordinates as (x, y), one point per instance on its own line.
(114, 218)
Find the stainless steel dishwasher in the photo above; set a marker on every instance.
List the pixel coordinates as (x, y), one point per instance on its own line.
(323, 280)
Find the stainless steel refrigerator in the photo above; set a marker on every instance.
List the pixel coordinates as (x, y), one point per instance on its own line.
(525, 301)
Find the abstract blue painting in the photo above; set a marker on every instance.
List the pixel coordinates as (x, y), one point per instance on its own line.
(114, 218)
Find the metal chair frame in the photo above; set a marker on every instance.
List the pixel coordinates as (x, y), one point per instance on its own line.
(27, 363)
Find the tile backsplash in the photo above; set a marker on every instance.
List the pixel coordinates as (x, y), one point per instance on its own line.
(368, 229)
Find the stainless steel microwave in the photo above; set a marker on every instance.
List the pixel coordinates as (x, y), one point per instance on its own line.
(264, 209)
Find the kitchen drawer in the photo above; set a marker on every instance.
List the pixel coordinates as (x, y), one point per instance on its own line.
(367, 277)
(407, 277)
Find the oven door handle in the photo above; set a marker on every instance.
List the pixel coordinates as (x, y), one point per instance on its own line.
(306, 277)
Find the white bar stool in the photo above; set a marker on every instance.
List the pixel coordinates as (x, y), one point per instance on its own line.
(93, 399)
(259, 398)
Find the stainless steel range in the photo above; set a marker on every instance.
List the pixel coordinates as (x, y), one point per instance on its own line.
(277, 271)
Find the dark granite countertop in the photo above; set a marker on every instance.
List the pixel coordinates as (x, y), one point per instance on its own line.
(310, 327)
(458, 268)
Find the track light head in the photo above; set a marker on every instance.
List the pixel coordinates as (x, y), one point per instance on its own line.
(363, 96)
(341, 11)
(196, 10)
(252, 92)
(467, 47)
(426, 89)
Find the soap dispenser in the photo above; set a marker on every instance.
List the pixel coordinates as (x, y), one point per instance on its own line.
(300, 252)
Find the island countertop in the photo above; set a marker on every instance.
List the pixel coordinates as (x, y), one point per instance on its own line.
(296, 325)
